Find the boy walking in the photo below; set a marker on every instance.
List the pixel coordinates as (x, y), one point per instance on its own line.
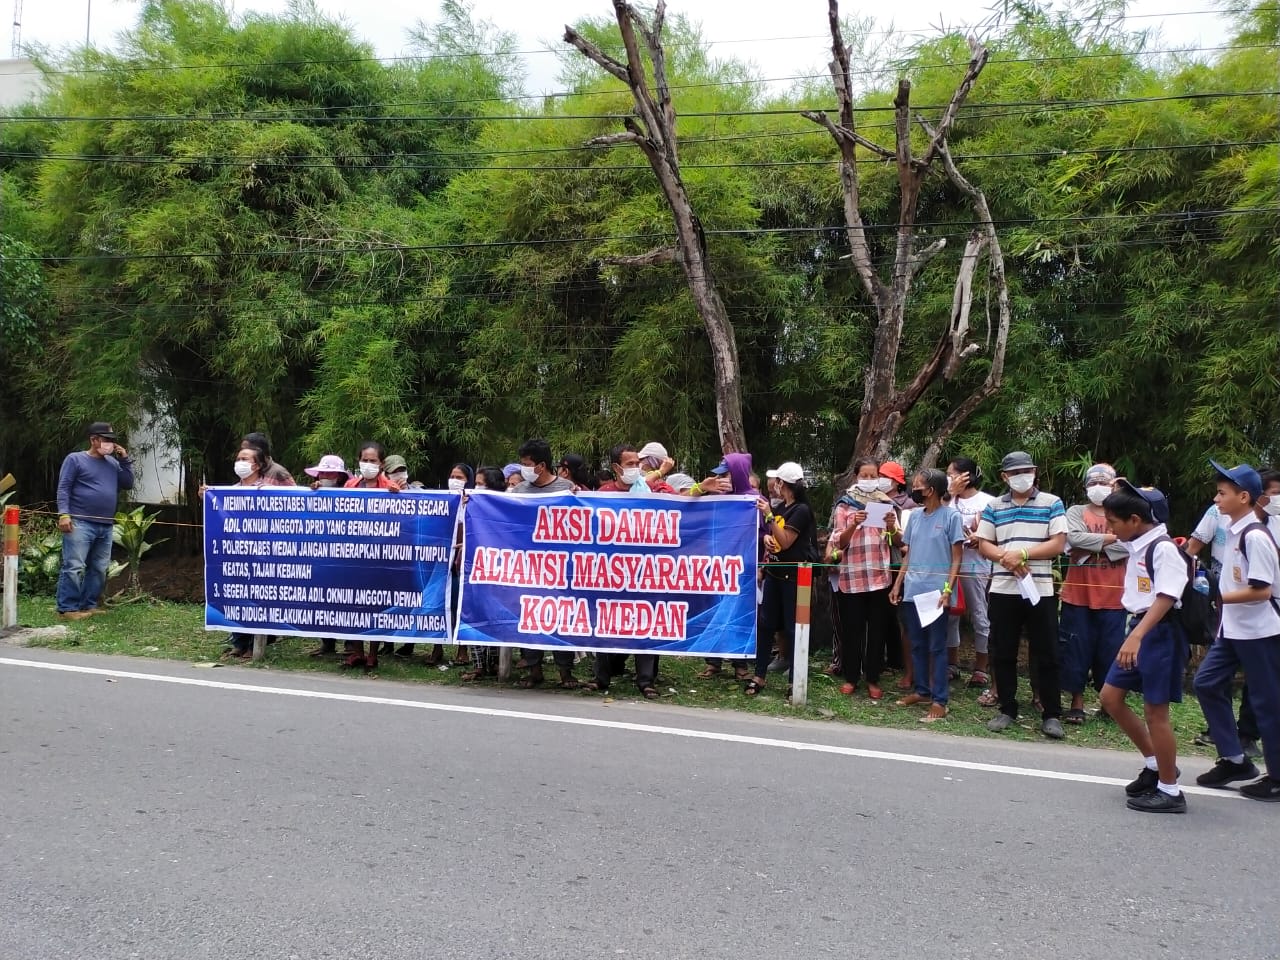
(1249, 638)
(1153, 657)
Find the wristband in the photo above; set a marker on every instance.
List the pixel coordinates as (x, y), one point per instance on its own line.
(1025, 556)
(696, 490)
(946, 588)
(64, 516)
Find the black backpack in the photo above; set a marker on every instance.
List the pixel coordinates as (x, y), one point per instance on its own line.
(1194, 613)
(1244, 535)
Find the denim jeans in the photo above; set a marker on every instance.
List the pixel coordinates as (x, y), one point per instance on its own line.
(928, 654)
(86, 554)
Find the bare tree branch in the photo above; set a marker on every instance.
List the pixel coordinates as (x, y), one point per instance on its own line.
(614, 139)
(838, 132)
(922, 257)
(977, 61)
(595, 54)
(647, 259)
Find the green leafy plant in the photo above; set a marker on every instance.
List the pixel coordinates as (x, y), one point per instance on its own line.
(130, 534)
(39, 560)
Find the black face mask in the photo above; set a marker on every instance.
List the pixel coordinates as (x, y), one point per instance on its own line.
(917, 496)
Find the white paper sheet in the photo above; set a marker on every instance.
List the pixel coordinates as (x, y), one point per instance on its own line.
(1027, 587)
(927, 606)
(876, 512)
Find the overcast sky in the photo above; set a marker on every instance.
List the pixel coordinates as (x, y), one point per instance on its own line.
(758, 30)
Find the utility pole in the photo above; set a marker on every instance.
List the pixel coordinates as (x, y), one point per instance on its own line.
(16, 47)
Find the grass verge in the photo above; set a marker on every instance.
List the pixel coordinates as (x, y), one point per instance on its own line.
(176, 632)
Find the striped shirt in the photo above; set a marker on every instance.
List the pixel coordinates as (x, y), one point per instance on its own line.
(1022, 527)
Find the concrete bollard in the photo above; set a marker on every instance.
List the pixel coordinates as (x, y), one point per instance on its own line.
(9, 618)
(800, 658)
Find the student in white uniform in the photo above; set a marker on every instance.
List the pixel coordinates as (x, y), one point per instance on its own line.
(1248, 639)
(1153, 657)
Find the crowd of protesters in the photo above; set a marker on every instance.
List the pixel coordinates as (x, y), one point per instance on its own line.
(1099, 590)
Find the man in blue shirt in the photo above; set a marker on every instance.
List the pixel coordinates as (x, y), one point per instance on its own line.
(89, 487)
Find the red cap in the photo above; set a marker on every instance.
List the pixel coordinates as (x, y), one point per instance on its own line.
(893, 470)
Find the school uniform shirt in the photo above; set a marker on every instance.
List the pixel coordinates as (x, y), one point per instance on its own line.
(1259, 619)
(1142, 586)
(929, 538)
(1212, 530)
(1010, 526)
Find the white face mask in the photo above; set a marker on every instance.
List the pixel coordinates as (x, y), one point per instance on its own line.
(456, 485)
(106, 449)
(868, 486)
(328, 481)
(1097, 493)
(1272, 509)
(884, 484)
(1022, 482)
(369, 470)
(630, 475)
(242, 468)
(528, 474)
(400, 476)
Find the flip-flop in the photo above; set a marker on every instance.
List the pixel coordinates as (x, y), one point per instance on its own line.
(1074, 717)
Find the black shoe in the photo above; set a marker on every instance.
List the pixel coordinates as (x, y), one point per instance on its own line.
(1250, 749)
(1266, 790)
(1146, 782)
(1203, 739)
(1225, 772)
(1157, 801)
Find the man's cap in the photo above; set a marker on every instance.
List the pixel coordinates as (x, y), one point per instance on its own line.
(653, 449)
(100, 428)
(1018, 460)
(789, 472)
(894, 471)
(720, 469)
(1243, 476)
(680, 482)
(510, 470)
(1100, 473)
(329, 463)
(1159, 502)
(393, 463)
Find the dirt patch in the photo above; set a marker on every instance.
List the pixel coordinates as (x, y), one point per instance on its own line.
(176, 578)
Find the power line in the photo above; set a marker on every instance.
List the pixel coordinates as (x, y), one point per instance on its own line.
(503, 54)
(763, 112)
(1170, 216)
(257, 162)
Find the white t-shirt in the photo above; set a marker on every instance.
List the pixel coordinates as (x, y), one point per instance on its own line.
(1212, 530)
(1259, 619)
(1141, 586)
(970, 510)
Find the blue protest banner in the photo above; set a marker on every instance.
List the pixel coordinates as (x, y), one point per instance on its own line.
(350, 564)
(614, 572)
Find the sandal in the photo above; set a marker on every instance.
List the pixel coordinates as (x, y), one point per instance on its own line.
(531, 681)
(953, 672)
(708, 674)
(592, 687)
(742, 674)
(831, 670)
(979, 679)
(1074, 717)
(904, 683)
(987, 698)
(753, 687)
(471, 676)
(568, 683)
(649, 693)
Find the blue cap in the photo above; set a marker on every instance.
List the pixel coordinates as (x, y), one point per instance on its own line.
(1159, 502)
(510, 470)
(1243, 476)
(721, 470)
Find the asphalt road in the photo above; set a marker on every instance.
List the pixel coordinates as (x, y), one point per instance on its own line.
(148, 819)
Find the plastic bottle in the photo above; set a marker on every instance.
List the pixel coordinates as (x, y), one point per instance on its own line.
(1201, 582)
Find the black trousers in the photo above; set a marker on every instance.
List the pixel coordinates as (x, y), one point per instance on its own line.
(777, 613)
(862, 629)
(609, 665)
(1010, 616)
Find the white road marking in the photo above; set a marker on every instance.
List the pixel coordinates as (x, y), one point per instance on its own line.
(685, 732)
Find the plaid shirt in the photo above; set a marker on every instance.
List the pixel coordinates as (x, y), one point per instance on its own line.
(864, 565)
